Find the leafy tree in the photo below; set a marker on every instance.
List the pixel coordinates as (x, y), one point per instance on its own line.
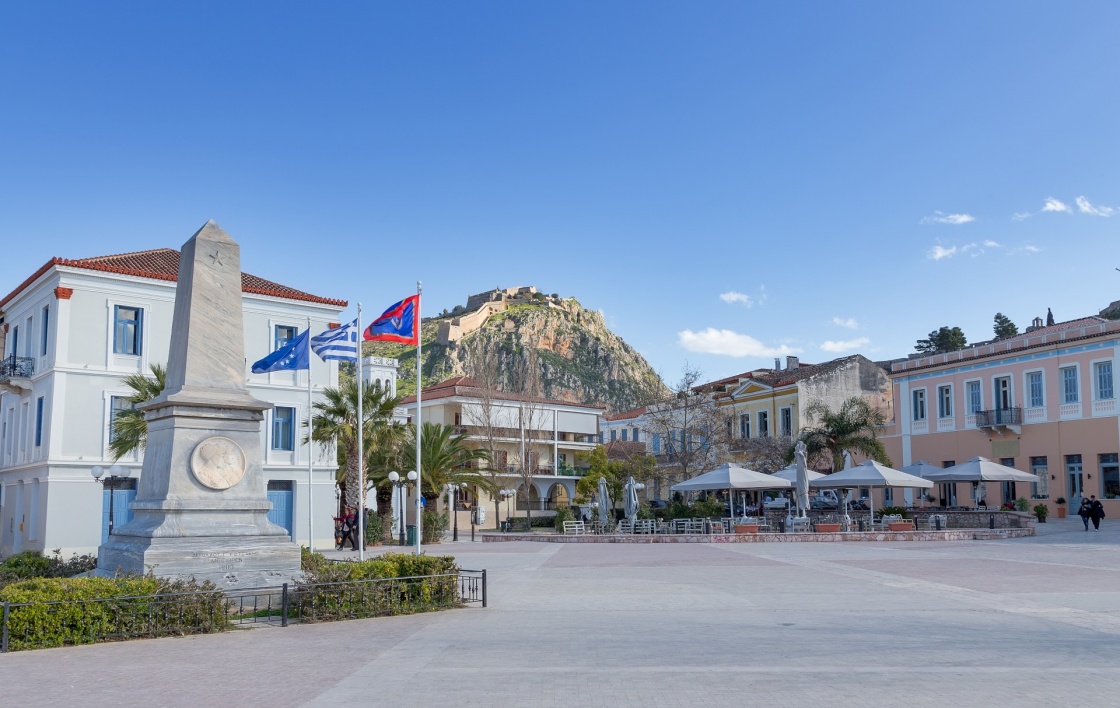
(130, 430)
(942, 340)
(691, 427)
(1004, 327)
(853, 427)
(336, 421)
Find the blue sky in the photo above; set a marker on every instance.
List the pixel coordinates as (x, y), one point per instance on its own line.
(726, 181)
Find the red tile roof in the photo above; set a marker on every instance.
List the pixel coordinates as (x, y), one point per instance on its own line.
(626, 415)
(468, 388)
(163, 264)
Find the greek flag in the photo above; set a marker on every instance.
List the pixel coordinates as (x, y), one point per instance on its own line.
(340, 343)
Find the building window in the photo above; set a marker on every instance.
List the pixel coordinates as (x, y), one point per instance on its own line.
(636, 437)
(786, 422)
(1069, 384)
(1104, 380)
(15, 340)
(284, 336)
(745, 426)
(1041, 488)
(128, 330)
(920, 404)
(283, 428)
(614, 435)
(624, 433)
(46, 330)
(1034, 386)
(656, 444)
(764, 424)
(945, 402)
(117, 405)
(1110, 476)
(974, 402)
(39, 422)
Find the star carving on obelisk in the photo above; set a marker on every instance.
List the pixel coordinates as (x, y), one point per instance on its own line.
(216, 259)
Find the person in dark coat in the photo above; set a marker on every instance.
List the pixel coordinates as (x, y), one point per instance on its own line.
(1096, 512)
(1084, 511)
(348, 529)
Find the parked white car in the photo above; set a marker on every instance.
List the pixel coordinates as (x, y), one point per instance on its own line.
(777, 503)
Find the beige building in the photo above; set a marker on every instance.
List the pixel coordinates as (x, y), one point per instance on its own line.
(551, 432)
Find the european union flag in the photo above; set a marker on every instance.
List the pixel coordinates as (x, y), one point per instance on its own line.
(291, 357)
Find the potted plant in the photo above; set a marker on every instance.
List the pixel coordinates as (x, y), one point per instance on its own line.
(1061, 502)
(1041, 511)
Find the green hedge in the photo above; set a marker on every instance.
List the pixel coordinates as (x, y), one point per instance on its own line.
(351, 598)
(33, 564)
(86, 610)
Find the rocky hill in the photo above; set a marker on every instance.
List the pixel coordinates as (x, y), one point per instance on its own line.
(500, 335)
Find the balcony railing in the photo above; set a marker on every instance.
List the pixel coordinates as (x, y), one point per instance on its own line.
(999, 416)
(16, 367)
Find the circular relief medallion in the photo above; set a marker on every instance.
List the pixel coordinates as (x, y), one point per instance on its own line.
(218, 463)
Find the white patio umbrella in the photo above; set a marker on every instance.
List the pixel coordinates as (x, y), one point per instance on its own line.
(869, 474)
(604, 500)
(729, 476)
(978, 470)
(790, 474)
(395, 513)
(921, 468)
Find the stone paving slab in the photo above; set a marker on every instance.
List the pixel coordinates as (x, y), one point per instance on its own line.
(1021, 622)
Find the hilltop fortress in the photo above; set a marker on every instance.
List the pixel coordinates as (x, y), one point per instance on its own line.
(482, 306)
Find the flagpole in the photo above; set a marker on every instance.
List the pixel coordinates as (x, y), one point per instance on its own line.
(419, 425)
(361, 453)
(310, 456)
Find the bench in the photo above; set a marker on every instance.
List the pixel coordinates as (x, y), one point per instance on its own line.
(577, 528)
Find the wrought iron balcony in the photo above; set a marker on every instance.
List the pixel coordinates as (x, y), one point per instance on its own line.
(16, 367)
(999, 417)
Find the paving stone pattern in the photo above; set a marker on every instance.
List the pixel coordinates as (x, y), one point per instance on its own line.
(1015, 622)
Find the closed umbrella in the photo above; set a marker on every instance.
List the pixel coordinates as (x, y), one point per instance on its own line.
(604, 500)
(631, 499)
(802, 480)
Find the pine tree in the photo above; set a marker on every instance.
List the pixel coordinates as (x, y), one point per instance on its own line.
(942, 340)
(1004, 327)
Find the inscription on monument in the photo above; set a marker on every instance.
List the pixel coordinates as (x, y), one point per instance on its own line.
(218, 463)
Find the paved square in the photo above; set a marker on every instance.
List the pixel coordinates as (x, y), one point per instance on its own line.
(1026, 622)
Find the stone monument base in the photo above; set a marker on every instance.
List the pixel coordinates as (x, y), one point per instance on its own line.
(230, 562)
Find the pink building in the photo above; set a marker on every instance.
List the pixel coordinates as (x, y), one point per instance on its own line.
(1043, 402)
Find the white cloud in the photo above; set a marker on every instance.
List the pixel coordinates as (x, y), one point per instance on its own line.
(991, 244)
(1021, 216)
(845, 322)
(938, 252)
(1053, 204)
(1085, 207)
(953, 219)
(844, 346)
(731, 297)
(728, 343)
(1031, 249)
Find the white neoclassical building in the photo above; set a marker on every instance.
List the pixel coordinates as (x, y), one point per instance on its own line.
(71, 332)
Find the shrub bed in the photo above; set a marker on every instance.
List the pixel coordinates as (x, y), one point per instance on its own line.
(63, 611)
(393, 584)
(33, 564)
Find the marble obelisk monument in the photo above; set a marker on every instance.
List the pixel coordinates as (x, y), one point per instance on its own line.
(201, 506)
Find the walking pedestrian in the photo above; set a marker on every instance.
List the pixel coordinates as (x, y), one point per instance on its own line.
(1096, 512)
(348, 530)
(1084, 511)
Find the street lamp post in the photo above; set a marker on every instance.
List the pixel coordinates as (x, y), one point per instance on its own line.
(116, 473)
(455, 510)
(400, 484)
(506, 494)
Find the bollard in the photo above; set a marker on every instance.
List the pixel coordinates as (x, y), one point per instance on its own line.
(284, 606)
(937, 521)
(991, 521)
(781, 526)
(484, 587)
(859, 523)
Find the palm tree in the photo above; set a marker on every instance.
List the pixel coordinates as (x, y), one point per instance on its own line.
(446, 458)
(336, 421)
(853, 428)
(130, 430)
